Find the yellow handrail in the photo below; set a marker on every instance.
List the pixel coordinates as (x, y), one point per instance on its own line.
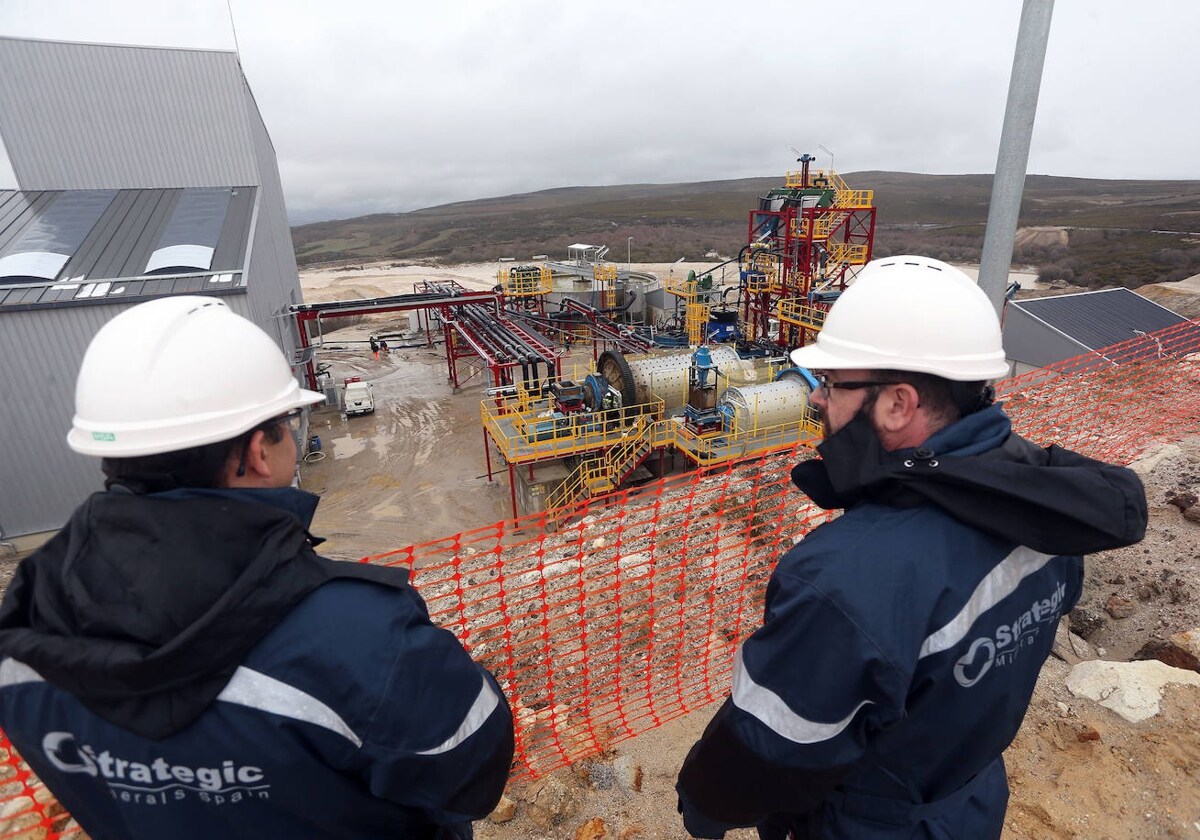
(601, 474)
(606, 278)
(741, 443)
(763, 280)
(849, 253)
(855, 199)
(526, 281)
(801, 313)
(528, 434)
(690, 289)
(697, 315)
(570, 490)
(680, 287)
(794, 180)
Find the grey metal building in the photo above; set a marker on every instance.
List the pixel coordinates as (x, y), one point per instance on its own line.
(1041, 331)
(141, 172)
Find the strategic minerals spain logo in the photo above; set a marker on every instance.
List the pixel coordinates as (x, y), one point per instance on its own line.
(159, 781)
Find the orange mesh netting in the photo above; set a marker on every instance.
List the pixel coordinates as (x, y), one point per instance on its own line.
(627, 614)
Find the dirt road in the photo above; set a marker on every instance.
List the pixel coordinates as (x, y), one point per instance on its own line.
(412, 471)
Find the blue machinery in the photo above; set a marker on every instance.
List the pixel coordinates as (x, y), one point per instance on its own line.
(701, 412)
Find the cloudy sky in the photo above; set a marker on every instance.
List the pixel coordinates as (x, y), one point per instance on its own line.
(379, 105)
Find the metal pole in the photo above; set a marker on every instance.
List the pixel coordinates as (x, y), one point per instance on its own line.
(487, 454)
(512, 488)
(628, 253)
(1009, 183)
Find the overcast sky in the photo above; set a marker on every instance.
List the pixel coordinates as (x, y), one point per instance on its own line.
(378, 105)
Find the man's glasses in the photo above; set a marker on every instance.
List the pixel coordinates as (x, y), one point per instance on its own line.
(290, 421)
(855, 385)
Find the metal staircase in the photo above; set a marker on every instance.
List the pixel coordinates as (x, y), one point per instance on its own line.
(603, 473)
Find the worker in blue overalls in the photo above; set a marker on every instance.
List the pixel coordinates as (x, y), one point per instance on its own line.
(901, 641)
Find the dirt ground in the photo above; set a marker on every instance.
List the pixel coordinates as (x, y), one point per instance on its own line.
(414, 470)
(410, 472)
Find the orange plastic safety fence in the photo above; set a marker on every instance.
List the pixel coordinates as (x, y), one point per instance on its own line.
(28, 811)
(625, 614)
(1113, 403)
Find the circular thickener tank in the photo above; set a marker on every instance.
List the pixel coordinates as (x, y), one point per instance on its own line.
(666, 376)
(752, 407)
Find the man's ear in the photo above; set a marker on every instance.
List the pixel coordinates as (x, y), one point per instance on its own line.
(896, 407)
(257, 465)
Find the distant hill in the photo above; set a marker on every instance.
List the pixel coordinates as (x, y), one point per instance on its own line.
(1118, 232)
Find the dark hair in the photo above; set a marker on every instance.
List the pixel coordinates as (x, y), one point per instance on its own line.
(945, 400)
(200, 466)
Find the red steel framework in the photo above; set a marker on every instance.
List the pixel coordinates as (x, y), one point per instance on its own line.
(803, 243)
(473, 324)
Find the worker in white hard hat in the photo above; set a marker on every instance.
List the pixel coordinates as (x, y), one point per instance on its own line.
(179, 662)
(902, 639)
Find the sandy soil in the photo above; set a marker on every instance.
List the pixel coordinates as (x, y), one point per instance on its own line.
(415, 470)
(383, 278)
(412, 471)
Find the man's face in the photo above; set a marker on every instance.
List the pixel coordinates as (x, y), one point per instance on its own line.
(838, 406)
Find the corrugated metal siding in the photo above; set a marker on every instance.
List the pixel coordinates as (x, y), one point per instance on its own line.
(273, 281)
(49, 92)
(1031, 342)
(90, 116)
(41, 480)
(1100, 319)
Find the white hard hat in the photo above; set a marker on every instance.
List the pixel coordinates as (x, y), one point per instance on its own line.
(910, 313)
(178, 372)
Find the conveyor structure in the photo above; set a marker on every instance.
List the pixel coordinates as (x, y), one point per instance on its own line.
(477, 330)
(425, 302)
(474, 324)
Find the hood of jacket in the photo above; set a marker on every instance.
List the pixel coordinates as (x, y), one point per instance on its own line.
(980, 472)
(143, 606)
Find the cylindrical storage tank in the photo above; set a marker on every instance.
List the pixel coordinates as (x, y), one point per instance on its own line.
(754, 407)
(666, 376)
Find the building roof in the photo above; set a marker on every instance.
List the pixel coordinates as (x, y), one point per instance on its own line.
(1100, 319)
(71, 247)
(104, 116)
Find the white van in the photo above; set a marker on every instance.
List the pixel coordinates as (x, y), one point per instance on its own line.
(359, 399)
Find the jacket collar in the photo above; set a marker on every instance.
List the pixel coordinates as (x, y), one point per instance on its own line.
(299, 503)
(853, 459)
